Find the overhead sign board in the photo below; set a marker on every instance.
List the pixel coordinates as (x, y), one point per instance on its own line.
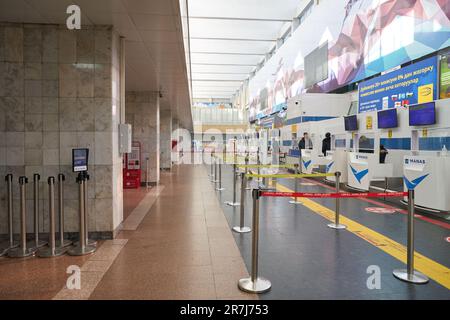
(416, 83)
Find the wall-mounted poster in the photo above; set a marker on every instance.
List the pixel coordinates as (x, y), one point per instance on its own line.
(412, 84)
(445, 76)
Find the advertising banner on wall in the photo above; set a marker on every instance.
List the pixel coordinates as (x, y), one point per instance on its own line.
(416, 83)
(445, 77)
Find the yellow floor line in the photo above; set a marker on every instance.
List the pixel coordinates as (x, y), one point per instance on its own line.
(434, 270)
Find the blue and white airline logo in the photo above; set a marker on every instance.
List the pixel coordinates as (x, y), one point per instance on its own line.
(328, 167)
(306, 164)
(411, 185)
(359, 175)
(416, 161)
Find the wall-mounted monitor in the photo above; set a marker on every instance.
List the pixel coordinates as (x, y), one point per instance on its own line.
(387, 119)
(351, 123)
(423, 114)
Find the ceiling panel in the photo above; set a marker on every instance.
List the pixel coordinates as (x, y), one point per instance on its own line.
(221, 68)
(150, 7)
(154, 22)
(225, 58)
(202, 45)
(216, 76)
(273, 9)
(243, 29)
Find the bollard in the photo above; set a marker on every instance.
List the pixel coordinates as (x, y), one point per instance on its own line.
(211, 159)
(22, 251)
(82, 247)
(336, 224)
(37, 243)
(241, 228)
(296, 200)
(61, 242)
(255, 284)
(86, 213)
(213, 166)
(409, 274)
(233, 203)
(51, 250)
(9, 195)
(219, 188)
(246, 171)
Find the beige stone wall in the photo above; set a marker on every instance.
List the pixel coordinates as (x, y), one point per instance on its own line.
(143, 113)
(59, 89)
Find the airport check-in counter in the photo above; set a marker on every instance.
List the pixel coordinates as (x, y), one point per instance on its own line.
(364, 168)
(311, 159)
(429, 176)
(336, 161)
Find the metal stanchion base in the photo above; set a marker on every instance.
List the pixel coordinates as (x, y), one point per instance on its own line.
(79, 251)
(20, 253)
(295, 202)
(90, 242)
(220, 189)
(233, 204)
(242, 230)
(38, 245)
(66, 243)
(48, 252)
(337, 226)
(416, 277)
(259, 286)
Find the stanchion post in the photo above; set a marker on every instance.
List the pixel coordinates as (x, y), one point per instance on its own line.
(51, 250)
(62, 242)
(220, 188)
(295, 201)
(242, 228)
(22, 251)
(9, 196)
(246, 171)
(255, 284)
(409, 274)
(82, 247)
(211, 160)
(233, 203)
(37, 243)
(86, 212)
(336, 224)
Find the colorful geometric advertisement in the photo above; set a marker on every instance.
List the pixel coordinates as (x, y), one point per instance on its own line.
(373, 36)
(445, 77)
(416, 83)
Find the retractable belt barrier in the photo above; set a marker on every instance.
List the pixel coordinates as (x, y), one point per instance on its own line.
(266, 166)
(257, 284)
(333, 195)
(291, 175)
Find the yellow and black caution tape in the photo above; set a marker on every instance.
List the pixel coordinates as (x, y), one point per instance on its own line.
(266, 166)
(299, 175)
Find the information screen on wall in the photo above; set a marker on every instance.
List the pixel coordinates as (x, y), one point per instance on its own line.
(412, 84)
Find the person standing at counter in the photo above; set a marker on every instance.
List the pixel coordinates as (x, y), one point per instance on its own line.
(304, 143)
(326, 144)
(383, 154)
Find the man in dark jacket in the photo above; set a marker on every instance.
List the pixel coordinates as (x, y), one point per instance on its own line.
(326, 143)
(304, 143)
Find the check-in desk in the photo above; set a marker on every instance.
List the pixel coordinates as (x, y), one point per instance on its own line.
(429, 176)
(311, 159)
(336, 161)
(364, 168)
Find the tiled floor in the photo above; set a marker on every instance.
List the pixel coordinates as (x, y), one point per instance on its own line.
(183, 249)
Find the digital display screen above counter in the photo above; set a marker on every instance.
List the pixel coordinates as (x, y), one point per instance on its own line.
(387, 119)
(422, 114)
(351, 123)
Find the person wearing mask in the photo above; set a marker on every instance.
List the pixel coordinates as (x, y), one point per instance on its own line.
(383, 154)
(326, 144)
